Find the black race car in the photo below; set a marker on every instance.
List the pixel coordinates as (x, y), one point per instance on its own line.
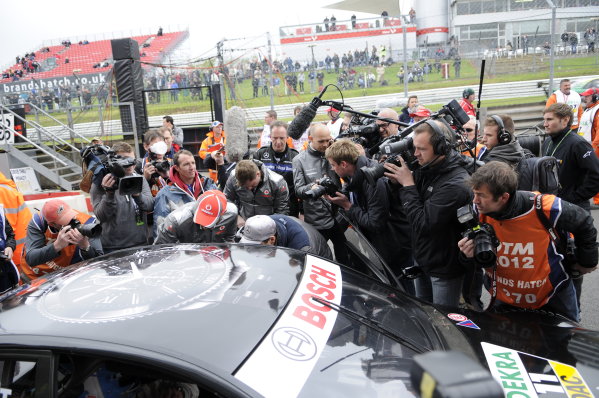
(244, 321)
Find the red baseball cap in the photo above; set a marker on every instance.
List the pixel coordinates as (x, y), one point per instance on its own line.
(421, 112)
(589, 91)
(212, 205)
(58, 212)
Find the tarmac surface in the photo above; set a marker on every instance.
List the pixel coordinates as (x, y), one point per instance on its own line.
(590, 293)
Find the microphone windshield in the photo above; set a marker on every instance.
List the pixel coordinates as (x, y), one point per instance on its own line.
(236, 144)
(301, 122)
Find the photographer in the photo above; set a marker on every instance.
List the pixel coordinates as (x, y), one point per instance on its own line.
(500, 142)
(123, 217)
(531, 263)
(370, 208)
(54, 240)
(154, 164)
(309, 168)
(430, 198)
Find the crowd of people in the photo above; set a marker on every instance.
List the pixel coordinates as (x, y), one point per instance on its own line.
(292, 190)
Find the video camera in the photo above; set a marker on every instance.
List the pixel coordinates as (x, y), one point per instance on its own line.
(103, 160)
(325, 186)
(483, 234)
(362, 130)
(392, 148)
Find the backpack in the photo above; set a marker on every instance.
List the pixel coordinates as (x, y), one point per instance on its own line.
(539, 174)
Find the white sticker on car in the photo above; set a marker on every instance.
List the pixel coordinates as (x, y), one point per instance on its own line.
(525, 375)
(281, 364)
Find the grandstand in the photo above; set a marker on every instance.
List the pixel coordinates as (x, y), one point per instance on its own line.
(83, 57)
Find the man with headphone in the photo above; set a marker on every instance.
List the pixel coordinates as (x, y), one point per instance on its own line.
(500, 143)
(468, 98)
(431, 197)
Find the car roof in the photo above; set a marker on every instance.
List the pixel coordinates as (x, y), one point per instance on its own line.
(183, 301)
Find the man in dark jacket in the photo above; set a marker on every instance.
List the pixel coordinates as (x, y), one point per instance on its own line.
(500, 143)
(369, 207)
(579, 167)
(430, 199)
(531, 272)
(278, 157)
(285, 231)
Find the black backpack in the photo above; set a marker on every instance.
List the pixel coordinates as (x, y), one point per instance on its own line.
(539, 174)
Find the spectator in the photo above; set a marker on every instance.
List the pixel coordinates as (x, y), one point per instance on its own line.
(185, 186)
(213, 143)
(541, 283)
(171, 148)
(468, 97)
(470, 130)
(573, 42)
(285, 231)
(154, 165)
(168, 122)
(257, 190)
(565, 95)
(412, 104)
(278, 157)
(264, 139)
(334, 125)
(209, 219)
(51, 244)
(420, 113)
(124, 218)
(431, 198)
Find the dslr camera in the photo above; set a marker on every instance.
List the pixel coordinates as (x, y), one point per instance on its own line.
(363, 131)
(92, 230)
(483, 234)
(325, 186)
(102, 160)
(162, 166)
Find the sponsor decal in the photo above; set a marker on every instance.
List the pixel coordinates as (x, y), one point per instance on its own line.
(457, 317)
(290, 351)
(468, 324)
(528, 376)
(51, 83)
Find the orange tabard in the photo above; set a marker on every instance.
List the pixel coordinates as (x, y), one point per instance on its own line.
(529, 268)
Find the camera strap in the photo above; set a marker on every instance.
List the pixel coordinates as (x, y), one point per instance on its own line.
(544, 220)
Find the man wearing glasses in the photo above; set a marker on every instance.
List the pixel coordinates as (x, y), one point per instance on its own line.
(500, 142)
(387, 129)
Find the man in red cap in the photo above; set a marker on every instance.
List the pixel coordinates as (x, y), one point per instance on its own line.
(589, 123)
(334, 125)
(208, 219)
(420, 114)
(52, 244)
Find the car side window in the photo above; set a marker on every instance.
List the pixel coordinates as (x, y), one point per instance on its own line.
(95, 377)
(18, 378)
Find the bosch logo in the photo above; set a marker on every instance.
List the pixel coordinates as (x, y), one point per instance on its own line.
(294, 344)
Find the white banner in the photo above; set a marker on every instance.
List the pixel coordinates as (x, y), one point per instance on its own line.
(7, 124)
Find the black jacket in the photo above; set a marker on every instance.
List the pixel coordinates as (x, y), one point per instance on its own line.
(382, 222)
(511, 154)
(280, 163)
(579, 167)
(571, 219)
(404, 116)
(431, 207)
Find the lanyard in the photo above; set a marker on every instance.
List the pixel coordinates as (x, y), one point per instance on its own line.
(558, 144)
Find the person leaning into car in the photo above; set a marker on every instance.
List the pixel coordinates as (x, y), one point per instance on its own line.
(51, 244)
(530, 270)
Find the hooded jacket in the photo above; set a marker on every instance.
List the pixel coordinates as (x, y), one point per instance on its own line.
(309, 166)
(511, 154)
(176, 194)
(431, 206)
(270, 196)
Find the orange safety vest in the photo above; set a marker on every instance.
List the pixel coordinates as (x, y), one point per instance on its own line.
(67, 256)
(17, 213)
(529, 267)
(209, 141)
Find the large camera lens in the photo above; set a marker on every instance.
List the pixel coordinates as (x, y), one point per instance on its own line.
(373, 173)
(485, 253)
(317, 192)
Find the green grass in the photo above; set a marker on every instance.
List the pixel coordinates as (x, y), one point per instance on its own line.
(568, 66)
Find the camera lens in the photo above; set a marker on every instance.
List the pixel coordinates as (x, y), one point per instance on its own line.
(484, 250)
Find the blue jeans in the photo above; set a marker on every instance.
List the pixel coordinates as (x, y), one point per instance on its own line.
(439, 291)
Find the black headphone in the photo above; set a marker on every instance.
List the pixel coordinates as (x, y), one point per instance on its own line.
(439, 141)
(504, 137)
(595, 96)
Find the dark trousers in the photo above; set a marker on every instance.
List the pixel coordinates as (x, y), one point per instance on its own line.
(337, 237)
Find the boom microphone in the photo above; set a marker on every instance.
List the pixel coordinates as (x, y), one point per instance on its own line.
(237, 143)
(303, 119)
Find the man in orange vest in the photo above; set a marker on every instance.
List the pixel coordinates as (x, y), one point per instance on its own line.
(17, 213)
(213, 143)
(531, 270)
(52, 243)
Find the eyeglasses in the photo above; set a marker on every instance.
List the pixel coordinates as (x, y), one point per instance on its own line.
(469, 130)
(383, 125)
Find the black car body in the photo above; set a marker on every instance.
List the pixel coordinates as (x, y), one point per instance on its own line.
(238, 321)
